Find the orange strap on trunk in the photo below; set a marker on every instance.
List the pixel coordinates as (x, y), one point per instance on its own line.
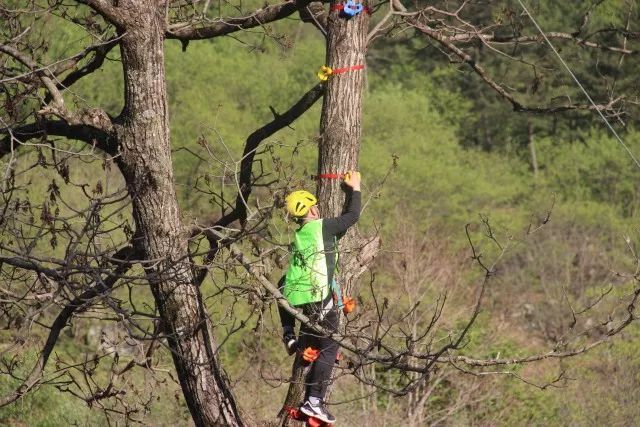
(328, 176)
(325, 72)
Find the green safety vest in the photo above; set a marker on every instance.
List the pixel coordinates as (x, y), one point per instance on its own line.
(307, 280)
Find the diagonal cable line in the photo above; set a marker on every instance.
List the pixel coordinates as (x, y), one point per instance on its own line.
(580, 85)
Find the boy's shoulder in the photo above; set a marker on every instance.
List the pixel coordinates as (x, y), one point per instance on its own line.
(310, 226)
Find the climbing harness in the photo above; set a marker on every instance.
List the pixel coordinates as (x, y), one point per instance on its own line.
(325, 71)
(535, 23)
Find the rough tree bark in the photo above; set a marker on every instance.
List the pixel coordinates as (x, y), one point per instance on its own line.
(340, 122)
(145, 162)
(339, 148)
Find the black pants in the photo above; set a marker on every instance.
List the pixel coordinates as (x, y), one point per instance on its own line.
(319, 375)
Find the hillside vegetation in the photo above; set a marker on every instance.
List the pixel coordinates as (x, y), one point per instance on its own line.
(427, 174)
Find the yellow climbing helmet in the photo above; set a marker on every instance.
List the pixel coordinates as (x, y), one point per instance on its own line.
(299, 202)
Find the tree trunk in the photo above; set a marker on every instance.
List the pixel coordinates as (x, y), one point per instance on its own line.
(340, 123)
(339, 148)
(145, 162)
(341, 128)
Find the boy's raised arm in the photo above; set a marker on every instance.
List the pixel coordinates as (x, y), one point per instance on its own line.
(340, 224)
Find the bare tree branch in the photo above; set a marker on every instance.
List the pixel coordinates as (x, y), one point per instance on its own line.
(107, 10)
(279, 121)
(315, 14)
(239, 212)
(470, 37)
(99, 289)
(205, 28)
(445, 43)
(45, 75)
(101, 50)
(31, 265)
(94, 136)
(92, 117)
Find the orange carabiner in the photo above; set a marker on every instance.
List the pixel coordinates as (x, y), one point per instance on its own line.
(310, 354)
(348, 305)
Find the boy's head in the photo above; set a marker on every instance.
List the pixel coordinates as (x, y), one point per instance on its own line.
(302, 206)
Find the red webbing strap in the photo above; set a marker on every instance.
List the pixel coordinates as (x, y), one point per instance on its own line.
(330, 176)
(294, 414)
(345, 69)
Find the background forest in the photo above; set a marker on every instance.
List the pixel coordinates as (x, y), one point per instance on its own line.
(439, 151)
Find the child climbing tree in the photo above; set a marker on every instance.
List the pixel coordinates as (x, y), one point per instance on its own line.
(339, 148)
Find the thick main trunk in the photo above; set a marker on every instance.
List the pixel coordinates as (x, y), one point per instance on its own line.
(340, 134)
(341, 124)
(145, 162)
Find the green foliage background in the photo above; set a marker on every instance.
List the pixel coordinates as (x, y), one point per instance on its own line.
(421, 122)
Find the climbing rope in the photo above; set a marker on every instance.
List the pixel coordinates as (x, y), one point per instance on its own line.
(579, 84)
